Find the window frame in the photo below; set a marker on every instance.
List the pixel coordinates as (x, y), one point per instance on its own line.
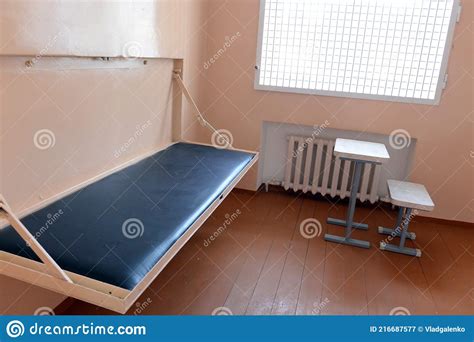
(442, 79)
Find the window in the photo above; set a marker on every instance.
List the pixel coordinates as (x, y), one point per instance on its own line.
(393, 50)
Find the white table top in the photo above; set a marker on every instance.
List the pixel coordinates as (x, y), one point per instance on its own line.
(361, 150)
(410, 195)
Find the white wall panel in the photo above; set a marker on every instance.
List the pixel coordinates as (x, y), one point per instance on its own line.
(146, 28)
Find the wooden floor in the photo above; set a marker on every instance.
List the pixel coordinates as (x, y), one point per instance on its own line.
(261, 264)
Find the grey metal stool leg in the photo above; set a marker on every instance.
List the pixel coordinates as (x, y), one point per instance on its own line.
(403, 236)
(349, 223)
(396, 232)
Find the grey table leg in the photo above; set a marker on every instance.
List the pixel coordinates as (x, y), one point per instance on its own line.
(353, 200)
(396, 232)
(403, 236)
(350, 214)
(401, 212)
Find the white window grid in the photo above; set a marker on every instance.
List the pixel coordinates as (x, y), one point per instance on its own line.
(395, 50)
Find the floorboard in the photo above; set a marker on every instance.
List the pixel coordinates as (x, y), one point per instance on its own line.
(259, 262)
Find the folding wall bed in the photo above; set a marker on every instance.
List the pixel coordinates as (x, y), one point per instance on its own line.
(117, 234)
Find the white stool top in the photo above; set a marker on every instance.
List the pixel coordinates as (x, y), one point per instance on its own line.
(361, 150)
(409, 195)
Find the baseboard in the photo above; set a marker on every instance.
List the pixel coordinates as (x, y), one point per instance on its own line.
(435, 220)
(367, 204)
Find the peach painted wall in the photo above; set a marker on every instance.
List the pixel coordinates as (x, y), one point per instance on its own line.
(443, 159)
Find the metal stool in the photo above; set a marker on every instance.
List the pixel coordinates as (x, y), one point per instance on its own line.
(408, 197)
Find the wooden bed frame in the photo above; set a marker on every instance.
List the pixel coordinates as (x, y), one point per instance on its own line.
(51, 276)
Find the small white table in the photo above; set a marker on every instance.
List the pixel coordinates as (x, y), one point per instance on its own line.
(359, 152)
(407, 196)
